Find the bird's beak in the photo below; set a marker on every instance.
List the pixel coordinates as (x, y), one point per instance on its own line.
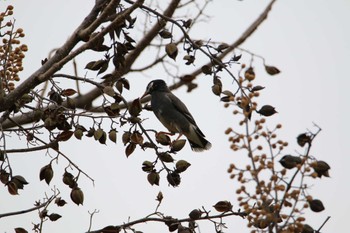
(145, 94)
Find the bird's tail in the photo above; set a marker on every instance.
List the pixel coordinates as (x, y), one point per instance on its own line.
(197, 140)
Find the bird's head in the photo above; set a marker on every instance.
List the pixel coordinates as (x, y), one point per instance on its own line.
(155, 85)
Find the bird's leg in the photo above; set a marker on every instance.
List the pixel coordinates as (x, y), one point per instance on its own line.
(166, 133)
(180, 135)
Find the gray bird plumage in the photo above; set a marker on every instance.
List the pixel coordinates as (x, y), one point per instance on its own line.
(174, 115)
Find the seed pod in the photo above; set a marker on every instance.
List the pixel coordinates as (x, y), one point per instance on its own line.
(46, 173)
(272, 70)
(290, 161)
(112, 135)
(77, 196)
(178, 144)
(195, 214)
(249, 74)
(163, 139)
(60, 202)
(54, 217)
(189, 59)
(165, 34)
(307, 229)
(223, 206)
(20, 230)
(174, 178)
(135, 108)
(267, 110)
(4, 176)
(126, 137)
(182, 165)
(171, 50)
(68, 179)
(12, 188)
(321, 168)
(78, 133)
(316, 205)
(303, 138)
(216, 89)
(166, 157)
(20, 181)
(147, 166)
(153, 178)
(206, 70)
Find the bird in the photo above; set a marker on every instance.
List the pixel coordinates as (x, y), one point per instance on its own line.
(174, 115)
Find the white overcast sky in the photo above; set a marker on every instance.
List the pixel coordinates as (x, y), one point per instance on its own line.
(307, 40)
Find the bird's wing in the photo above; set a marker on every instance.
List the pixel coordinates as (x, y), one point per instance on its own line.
(181, 107)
